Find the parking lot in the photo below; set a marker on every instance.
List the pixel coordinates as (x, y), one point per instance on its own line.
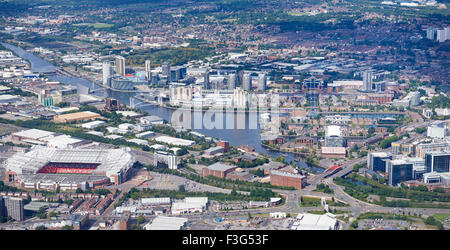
(172, 182)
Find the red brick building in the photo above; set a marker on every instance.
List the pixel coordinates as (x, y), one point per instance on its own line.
(286, 179)
(218, 169)
(225, 145)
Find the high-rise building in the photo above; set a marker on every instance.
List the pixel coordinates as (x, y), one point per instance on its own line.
(106, 73)
(112, 104)
(437, 162)
(14, 208)
(447, 33)
(399, 171)
(367, 80)
(165, 69)
(441, 37)
(247, 82)
(431, 33)
(240, 98)
(262, 79)
(2, 207)
(165, 159)
(376, 161)
(148, 70)
(232, 79)
(206, 80)
(120, 65)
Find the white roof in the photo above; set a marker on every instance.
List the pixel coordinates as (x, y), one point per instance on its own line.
(174, 141)
(35, 134)
(154, 201)
(128, 113)
(333, 150)
(138, 141)
(333, 130)
(111, 161)
(315, 221)
(93, 123)
(63, 141)
(166, 223)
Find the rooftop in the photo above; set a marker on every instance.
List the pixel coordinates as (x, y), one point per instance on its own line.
(219, 166)
(166, 223)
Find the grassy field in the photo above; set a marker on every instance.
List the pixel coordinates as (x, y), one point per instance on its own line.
(441, 217)
(96, 25)
(315, 202)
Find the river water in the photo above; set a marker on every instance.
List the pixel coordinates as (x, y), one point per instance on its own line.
(236, 137)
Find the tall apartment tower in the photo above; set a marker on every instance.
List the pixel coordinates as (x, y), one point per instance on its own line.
(206, 80)
(367, 80)
(165, 69)
(120, 65)
(107, 70)
(148, 70)
(262, 79)
(14, 208)
(2, 207)
(431, 33)
(232, 79)
(247, 82)
(440, 37)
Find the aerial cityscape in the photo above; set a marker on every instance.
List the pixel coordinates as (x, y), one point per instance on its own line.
(224, 115)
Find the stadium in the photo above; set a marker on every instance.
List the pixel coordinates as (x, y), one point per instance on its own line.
(49, 168)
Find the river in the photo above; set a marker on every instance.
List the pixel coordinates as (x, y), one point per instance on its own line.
(236, 137)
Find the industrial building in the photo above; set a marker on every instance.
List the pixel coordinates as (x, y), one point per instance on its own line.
(190, 205)
(166, 223)
(287, 179)
(33, 136)
(218, 169)
(151, 120)
(93, 124)
(112, 163)
(306, 221)
(334, 152)
(174, 141)
(76, 117)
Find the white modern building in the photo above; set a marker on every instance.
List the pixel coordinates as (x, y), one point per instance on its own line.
(166, 223)
(437, 129)
(190, 205)
(306, 221)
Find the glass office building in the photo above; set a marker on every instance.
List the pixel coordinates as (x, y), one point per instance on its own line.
(437, 162)
(399, 171)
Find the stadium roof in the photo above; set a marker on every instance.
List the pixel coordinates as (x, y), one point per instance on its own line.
(111, 161)
(59, 178)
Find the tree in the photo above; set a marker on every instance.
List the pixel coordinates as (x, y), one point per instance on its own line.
(181, 188)
(67, 227)
(140, 219)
